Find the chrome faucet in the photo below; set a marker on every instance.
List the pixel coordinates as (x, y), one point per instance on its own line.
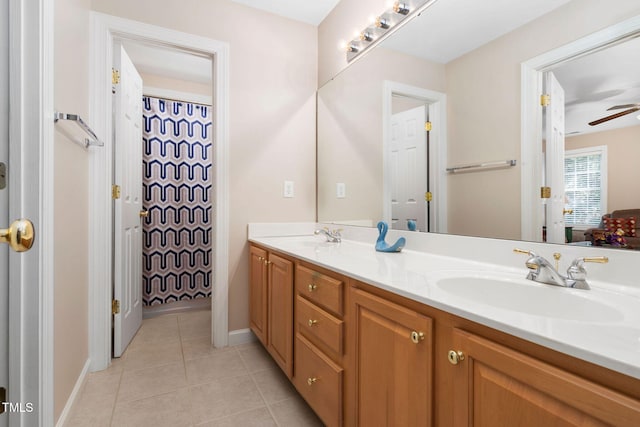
(332, 235)
(541, 270)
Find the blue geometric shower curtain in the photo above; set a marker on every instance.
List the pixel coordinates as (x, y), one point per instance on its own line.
(177, 193)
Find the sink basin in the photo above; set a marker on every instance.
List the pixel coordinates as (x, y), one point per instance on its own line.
(524, 296)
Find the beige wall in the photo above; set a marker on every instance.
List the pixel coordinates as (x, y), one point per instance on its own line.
(71, 175)
(273, 75)
(623, 170)
(350, 132)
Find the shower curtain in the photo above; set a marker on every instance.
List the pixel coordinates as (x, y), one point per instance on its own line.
(177, 193)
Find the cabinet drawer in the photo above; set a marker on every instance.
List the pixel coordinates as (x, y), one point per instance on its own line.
(320, 288)
(319, 381)
(315, 322)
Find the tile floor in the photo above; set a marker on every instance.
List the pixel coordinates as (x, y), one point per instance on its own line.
(171, 376)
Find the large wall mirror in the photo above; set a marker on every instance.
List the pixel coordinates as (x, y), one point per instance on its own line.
(435, 127)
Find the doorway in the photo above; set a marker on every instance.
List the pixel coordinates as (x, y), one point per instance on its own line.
(532, 71)
(162, 169)
(105, 30)
(409, 160)
(433, 189)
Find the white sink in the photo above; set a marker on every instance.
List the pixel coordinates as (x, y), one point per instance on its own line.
(525, 296)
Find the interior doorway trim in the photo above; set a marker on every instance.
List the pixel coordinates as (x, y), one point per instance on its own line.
(531, 115)
(436, 103)
(104, 28)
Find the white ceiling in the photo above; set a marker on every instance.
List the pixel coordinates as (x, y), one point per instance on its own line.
(167, 62)
(596, 82)
(309, 11)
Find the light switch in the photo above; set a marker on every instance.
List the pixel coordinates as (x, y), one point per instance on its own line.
(288, 189)
(341, 190)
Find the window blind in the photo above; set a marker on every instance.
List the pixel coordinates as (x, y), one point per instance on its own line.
(585, 192)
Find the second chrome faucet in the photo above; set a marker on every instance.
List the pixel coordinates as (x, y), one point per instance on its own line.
(332, 235)
(541, 270)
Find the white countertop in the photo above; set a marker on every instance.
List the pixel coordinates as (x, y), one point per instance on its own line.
(605, 329)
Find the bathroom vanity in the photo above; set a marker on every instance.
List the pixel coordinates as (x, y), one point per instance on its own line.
(373, 339)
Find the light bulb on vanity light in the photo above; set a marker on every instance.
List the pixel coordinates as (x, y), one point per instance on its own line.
(382, 23)
(401, 8)
(350, 47)
(366, 36)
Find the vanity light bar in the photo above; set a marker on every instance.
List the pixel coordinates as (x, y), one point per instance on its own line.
(379, 29)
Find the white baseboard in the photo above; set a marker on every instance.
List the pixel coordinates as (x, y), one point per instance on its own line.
(74, 395)
(241, 336)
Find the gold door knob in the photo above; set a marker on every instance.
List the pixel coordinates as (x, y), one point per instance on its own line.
(567, 211)
(19, 235)
(312, 322)
(312, 287)
(416, 337)
(455, 357)
(144, 213)
(311, 381)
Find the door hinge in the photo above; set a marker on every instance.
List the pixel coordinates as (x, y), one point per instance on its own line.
(428, 126)
(3, 176)
(115, 191)
(545, 192)
(545, 100)
(115, 306)
(428, 196)
(115, 76)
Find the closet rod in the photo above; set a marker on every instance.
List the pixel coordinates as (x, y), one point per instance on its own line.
(162, 98)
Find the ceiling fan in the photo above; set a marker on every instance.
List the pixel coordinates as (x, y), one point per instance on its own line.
(630, 108)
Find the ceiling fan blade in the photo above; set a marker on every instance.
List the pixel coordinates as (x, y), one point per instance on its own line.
(613, 116)
(618, 107)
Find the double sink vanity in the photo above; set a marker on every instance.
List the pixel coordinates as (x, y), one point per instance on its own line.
(425, 338)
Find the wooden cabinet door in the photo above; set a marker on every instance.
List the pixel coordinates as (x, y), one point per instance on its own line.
(393, 374)
(258, 292)
(497, 386)
(280, 313)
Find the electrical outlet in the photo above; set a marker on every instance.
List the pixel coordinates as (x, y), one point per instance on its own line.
(341, 190)
(288, 189)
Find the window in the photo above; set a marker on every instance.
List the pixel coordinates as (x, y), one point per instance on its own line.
(585, 182)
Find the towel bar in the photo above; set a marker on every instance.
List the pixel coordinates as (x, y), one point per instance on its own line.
(94, 140)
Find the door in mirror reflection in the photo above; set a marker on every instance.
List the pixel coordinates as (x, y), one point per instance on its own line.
(554, 158)
(409, 161)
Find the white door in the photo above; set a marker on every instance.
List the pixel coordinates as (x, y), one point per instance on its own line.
(4, 199)
(128, 207)
(409, 169)
(554, 159)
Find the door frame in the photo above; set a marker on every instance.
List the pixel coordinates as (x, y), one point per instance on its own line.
(104, 28)
(531, 116)
(31, 157)
(437, 111)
